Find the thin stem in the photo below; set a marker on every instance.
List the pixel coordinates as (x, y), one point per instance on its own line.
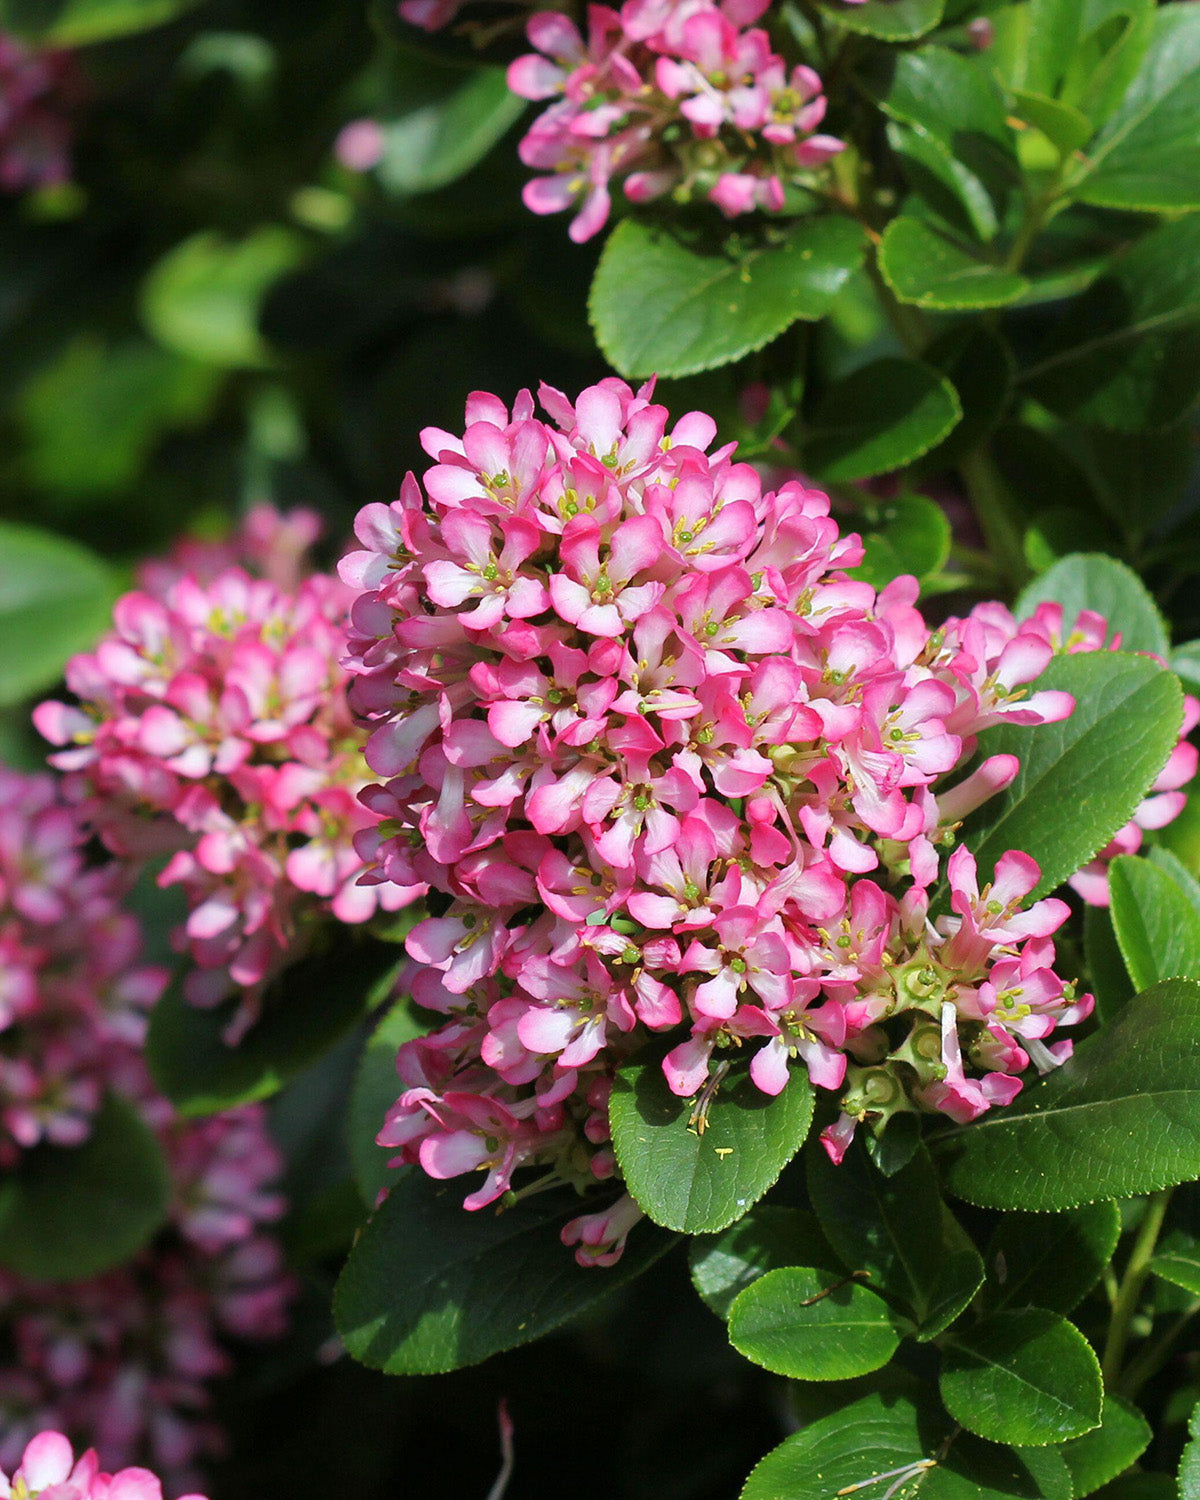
(1154, 1354)
(1132, 1283)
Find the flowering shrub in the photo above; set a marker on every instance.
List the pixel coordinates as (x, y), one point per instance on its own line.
(714, 873)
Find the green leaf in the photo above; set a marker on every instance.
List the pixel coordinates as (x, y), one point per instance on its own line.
(1027, 1377)
(1127, 353)
(70, 1212)
(1121, 1117)
(914, 538)
(1178, 1261)
(1139, 1486)
(1157, 926)
(898, 1230)
(1107, 979)
(1148, 154)
(431, 1287)
(980, 366)
(1082, 778)
(888, 1435)
(769, 1237)
(56, 599)
(376, 1089)
(880, 417)
(955, 102)
(660, 306)
(91, 417)
(1185, 660)
(1108, 1450)
(930, 270)
(1049, 1260)
(889, 20)
(1189, 1464)
(1090, 580)
(941, 182)
(76, 23)
(812, 1325)
(1064, 126)
(305, 1011)
(442, 138)
(693, 1182)
(203, 298)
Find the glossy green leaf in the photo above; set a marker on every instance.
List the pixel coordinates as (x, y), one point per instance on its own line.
(436, 141)
(947, 188)
(812, 1325)
(308, 1008)
(1107, 977)
(1082, 778)
(913, 536)
(954, 101)
(1185, 660)
(430, 1287)
(889, 20)
(1140, 1485)
(1148, 154)
(376, 1089)
(1108, 1450)
(1157, 926)
(930, 270)
(1121, 1117)
(203, 298)
(56, 599)
(898, 1231)
(1189, 1464)
(661, 306)
(882, 1440)
(1027, 1377)
(1090, 580)
(700, 1182)
(1126, 354)
(70, 1212)
(769, 1237)
(1178, 1261)
(1049, 1260)
(77, 23)
(1064, 126)
(880, 417)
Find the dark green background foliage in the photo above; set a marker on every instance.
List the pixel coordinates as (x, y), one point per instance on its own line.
(982, 336)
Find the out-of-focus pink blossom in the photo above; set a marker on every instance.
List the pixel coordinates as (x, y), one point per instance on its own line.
(687, 99)
(38, 90)
(212, 727)
(672, 770)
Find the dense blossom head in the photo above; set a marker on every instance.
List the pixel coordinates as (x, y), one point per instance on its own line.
(127, 1360)
(682, 98)
(212, 727)
(664, 766)
(37, 90)
(74, 994)
(49, 1468)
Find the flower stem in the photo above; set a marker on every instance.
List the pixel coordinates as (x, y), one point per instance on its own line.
(994, 512)
(1132, 1282)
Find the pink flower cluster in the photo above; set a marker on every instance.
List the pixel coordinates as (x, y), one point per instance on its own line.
(35, 133)
(212, 726)
(74, 995)
(670, 96)
(663, 767)
(48, 1468)
(1165, 801)
(127, 1359)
